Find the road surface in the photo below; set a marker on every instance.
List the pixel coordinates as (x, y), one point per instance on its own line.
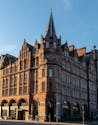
(16, 122)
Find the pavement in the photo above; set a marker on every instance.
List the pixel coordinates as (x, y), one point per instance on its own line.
(23, 122)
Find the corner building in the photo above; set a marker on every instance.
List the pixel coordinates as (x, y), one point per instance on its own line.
(48, 81)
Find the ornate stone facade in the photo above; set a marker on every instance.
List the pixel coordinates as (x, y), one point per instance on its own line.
(50, 80)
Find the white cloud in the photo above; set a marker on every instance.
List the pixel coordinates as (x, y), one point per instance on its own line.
(67, 4)
(7, 48)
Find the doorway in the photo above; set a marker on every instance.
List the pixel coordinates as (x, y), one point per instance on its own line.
(21, 115)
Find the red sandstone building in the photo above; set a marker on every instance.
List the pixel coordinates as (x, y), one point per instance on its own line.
(48, 81)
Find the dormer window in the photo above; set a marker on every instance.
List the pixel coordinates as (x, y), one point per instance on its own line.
(66, 53)
(54, 45)
(47, 44)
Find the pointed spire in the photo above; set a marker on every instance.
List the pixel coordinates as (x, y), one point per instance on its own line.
(51, 28)
(66, 44)
(94, 47)
(36, 42)
(24, 40)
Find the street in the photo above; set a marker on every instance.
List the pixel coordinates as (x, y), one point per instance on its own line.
(8, 122)
(17, 122)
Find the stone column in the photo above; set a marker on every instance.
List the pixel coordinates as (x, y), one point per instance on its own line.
(17, 113)
(8, 111)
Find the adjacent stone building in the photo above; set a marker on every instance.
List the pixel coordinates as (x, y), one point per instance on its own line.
(48, 81)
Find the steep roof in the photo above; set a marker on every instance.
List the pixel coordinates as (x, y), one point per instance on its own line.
(51, 28)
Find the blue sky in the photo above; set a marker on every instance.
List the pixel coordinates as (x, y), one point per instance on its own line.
(75, 20)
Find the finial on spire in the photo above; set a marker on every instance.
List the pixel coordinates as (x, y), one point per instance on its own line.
(36, 42)
(94, 47)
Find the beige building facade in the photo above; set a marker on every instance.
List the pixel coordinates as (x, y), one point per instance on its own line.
(48, 81)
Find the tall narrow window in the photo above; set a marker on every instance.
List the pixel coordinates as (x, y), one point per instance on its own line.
(11, 70)
(50, 72)
(25, 77)
(47, 44)
(43, 72)
(7, 82)
(54, 45)
(11, 81)
(33, 62)
(6, 92)
(21, 65)
(66, 53)
(43, 86)
(37, 61)
(36, 86)
(2, 92)
(11, 91)
(50, 86)
(20, 90)
(15, 80)
(36, 74)
(21, 78)
(25, 64)
(15, 91)
(25, 55)
(24, 89)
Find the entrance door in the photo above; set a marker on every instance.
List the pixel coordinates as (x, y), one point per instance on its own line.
(66, 114)
(50, 114)
(20, 115)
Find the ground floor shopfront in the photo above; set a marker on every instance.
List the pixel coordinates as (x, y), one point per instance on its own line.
(16, 108)
(48, 111)
(62, 111)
